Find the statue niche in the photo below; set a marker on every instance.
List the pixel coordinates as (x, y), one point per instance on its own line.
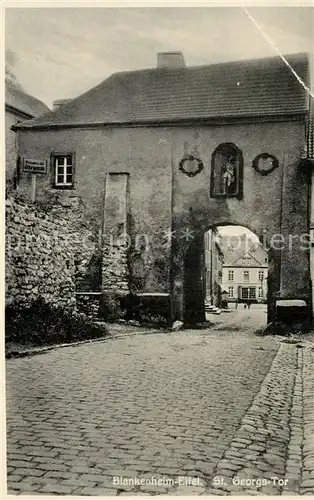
(227, 172)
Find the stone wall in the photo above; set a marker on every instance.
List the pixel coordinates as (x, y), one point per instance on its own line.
(39, 258)
(89, 304)
(115, 265)
(115, 270)
(52, 253)
(85, 243)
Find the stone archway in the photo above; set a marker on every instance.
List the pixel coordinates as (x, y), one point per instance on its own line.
(188, 276)
(194, 292)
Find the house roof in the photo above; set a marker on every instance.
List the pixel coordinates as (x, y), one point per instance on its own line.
(246, 253)
(22, 103)
(251, 88)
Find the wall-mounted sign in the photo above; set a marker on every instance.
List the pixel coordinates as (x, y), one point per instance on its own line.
(35, 166)
(191, 165)
(265, 163)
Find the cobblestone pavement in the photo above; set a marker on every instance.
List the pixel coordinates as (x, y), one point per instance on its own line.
(189, 409)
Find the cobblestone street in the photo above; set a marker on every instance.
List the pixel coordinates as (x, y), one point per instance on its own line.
(207, 404)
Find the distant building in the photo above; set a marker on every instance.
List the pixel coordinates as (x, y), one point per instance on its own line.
(19, 107)
(245, 272)
(214, 259)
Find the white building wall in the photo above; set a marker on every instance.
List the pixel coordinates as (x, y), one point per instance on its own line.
(229, 284)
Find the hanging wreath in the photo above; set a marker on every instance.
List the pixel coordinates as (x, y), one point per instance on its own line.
(191, 165)
(265, 163)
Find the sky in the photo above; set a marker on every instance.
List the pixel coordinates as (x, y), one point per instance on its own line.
(62, 52)
(236, 231)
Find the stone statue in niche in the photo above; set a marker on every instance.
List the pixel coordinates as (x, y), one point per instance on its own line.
(228, 176)
(227, 172)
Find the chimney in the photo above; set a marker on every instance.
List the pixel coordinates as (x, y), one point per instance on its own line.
(58, 103)
(170, 60)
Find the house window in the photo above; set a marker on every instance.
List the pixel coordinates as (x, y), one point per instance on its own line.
(246, 275)
(261, 275)
(63, 168)
(230, 292)
(260, 292)
(230, 275)
(248, 293)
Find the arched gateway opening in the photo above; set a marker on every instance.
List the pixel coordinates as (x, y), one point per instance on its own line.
(241, 181)
(227, 267)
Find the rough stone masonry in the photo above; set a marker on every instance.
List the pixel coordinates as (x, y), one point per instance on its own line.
(52, 254)
(39, 258)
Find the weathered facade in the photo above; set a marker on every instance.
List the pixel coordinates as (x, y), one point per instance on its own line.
(157, 157)
(19, 107)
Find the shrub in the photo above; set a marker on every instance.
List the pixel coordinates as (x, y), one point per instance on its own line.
(42, 324)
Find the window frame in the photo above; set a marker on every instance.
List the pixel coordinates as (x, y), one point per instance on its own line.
(231, 289)
(250, 292)
(53, 158)
(261, 275)
(230, 273)
(246, 272)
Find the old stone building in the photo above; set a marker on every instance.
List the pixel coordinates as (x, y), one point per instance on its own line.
(154, 158)
(19, 107)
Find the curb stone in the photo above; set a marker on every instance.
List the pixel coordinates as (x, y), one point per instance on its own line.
(262, 426)
(43, 350)
(109, 336)
(307, 373)
(294, 453)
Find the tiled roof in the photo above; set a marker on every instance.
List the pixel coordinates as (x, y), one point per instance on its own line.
(22, 102)
(237, 89)
(234, 249)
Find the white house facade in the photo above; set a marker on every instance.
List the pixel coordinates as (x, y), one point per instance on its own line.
(245, 274)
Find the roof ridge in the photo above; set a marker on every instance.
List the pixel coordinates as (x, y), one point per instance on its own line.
(144, 95)
(294, 55)
(18, 99)
(22, 92)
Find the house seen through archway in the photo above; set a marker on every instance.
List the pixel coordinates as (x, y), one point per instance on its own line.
(231, 275)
